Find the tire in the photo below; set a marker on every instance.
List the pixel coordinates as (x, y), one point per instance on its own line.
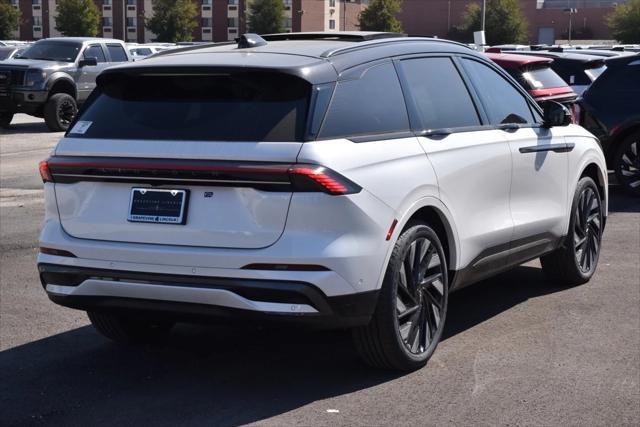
(407, 324)
(5, 120)
(129, 329)
(575, 262)
(59, 111)
(627, 164)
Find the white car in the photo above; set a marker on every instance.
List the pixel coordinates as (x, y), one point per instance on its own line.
(347, 180)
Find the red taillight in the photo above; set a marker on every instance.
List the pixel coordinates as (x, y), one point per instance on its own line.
(56, 252)
(44, 171)
(311, 177)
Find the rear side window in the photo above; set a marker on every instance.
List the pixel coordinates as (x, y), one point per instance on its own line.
(503, 102)
(95, 51)
(372, 104)
(243, 106)
(440, 96)
(117, 53)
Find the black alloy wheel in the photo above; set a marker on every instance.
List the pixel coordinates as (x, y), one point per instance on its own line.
(587, 230)
(420, 296)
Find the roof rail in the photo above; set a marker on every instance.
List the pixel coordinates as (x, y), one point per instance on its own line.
(189, 48)
(354, 36)
(338, 51)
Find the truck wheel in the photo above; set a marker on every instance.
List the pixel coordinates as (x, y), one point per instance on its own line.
(5, 120)
(59, 111)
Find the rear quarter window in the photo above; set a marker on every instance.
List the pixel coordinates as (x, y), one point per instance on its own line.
(241, 106)
(372, 104)
(117, 53)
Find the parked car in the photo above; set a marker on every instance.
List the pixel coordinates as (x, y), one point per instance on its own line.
(54, 76)
(536, 76)
(8, 52)
(344, 179)
(611, 111)
(578, 70)
(142, 51)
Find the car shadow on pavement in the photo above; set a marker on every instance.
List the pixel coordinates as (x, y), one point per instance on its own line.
(24, 128)
(622, 201)
(216, 374)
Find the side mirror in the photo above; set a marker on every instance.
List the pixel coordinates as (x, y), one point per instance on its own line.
(90, 61)
(555, 114)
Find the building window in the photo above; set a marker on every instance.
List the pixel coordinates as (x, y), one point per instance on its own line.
(206, 31)
(131, 22)
(107, 22)
(106, 2)
(35, 1)
(206, 22)
(206, 2)
(233, 2)
(232, 22)
(131, 2)
(332, 24)
(332, 3)
(286, 22)
(37, 21)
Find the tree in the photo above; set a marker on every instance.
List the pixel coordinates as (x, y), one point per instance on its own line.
(504, 22)
(9, 19)
(624, 22)
(173, 20)
(77, 18)
(381, 15)
(266, 16)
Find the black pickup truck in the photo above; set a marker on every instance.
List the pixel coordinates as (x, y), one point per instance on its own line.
(54, 76)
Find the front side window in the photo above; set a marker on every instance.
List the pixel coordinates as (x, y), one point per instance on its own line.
(372, 104)
(236, 106)
(503, 103)
(95, 51)
(440, 95)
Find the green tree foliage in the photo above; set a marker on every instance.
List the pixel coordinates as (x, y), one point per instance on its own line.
(381, 15)
(9, 19)
(173, 20)
(504, 23)
(624, 22)
(266, 16)
(77, 18)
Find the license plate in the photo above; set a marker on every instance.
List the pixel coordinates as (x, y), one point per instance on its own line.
(158, 206)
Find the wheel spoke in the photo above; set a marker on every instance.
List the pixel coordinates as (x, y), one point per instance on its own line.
(408, 312)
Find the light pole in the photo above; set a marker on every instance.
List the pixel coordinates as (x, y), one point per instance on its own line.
(484, 11)
(570, 11)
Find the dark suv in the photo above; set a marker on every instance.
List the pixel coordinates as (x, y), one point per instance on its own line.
(611, 111)
(53, 76)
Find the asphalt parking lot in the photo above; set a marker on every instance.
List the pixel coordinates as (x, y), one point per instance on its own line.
(516, 350)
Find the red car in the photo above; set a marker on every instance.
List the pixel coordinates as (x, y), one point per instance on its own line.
(536, 76)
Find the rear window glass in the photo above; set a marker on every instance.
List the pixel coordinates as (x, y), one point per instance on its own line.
(372, 104)
(244, 106)
(595, 72)
(117, 53)
(541, 78)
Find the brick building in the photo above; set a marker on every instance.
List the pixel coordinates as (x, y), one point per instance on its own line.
(218, 20)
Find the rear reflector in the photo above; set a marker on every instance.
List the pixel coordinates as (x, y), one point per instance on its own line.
(285, 267)
(56, 252)
(259, 175)
(393, 227)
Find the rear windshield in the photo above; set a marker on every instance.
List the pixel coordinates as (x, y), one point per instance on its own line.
(541, 78)
(240, 106)
(595, 72)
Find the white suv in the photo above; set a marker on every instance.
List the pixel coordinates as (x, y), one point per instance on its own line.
(351, 180)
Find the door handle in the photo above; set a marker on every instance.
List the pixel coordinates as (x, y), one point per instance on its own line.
(556, 148)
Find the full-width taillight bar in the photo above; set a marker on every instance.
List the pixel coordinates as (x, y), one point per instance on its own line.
(263, 176)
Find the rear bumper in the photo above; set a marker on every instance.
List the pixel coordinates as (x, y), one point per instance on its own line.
(188, 297)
